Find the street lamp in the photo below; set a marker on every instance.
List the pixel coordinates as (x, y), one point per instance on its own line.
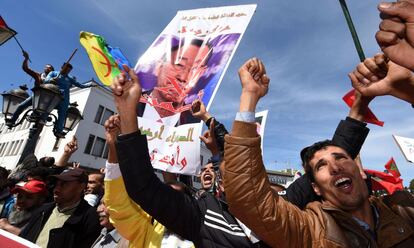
(45, 98)
(12, 99)
(73, 117)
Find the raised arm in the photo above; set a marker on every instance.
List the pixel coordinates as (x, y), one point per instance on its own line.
(70, 148)
(175, 210)
(277, 222)
(198, 110)
(370, 81)
(127, 217)
(33, 74)
(82, 86)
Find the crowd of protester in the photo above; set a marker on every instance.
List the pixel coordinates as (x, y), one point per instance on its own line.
(55, 203)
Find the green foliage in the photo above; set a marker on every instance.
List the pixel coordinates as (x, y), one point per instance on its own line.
(411, 187)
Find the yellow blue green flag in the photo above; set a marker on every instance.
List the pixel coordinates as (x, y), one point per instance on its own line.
(106, 61)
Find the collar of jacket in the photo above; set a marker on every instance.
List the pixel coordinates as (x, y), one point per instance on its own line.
(77, 216)
(392, 228)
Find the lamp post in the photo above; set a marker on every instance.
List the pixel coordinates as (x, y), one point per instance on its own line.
(12, 99)
(73, 117)
(45, 98)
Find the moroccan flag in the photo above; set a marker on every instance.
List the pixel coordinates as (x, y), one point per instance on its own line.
(106, 66)
(5, 32)
(384, 181)
(392, 168)
(369, 117)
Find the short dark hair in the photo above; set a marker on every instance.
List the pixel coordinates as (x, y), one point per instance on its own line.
(4, 173)
(307, 154)
(51, 66)
(68, 65)
(46, 161)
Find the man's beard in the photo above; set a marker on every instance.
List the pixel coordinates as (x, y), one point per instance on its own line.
(19, 218)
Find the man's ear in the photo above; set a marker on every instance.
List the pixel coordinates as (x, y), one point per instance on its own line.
(316, 189)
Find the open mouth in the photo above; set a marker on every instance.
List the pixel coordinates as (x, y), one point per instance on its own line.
(207, 178)
(343, 183)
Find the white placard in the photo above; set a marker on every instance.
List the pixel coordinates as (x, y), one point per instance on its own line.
(406, 146)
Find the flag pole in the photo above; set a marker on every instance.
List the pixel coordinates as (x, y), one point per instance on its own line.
(71, 56)
(352, 29)
(69, 59)
(18, 43)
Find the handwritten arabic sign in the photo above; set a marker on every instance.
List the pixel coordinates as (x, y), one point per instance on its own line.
(406, 146)
(172, 148)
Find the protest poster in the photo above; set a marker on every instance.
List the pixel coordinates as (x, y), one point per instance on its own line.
(9, 240)
(406, 146)
(186, 62)
(260, 119)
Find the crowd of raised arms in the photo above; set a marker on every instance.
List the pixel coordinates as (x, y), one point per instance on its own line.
(57, 204)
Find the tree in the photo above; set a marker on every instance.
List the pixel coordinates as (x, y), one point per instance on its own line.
(411, 187)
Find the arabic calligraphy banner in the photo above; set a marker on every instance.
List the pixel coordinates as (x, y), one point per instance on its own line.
(172, 148)
(187, 61)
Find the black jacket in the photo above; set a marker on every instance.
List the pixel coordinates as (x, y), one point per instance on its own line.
(350, 136)
(79, 231)
(205, 221)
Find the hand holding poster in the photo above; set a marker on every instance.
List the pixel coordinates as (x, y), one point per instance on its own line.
(187, 62)
(406, 146)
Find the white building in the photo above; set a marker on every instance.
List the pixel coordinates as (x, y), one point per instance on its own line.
(95, 104)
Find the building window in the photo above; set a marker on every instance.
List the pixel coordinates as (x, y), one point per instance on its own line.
(106, 151)
(98, 147)
(20, 147)
(2, 148)
(89, 145)
(106, 116)
(10, 148)
(26, 124)
(13, 149)
(102, 115)
(17, 147)
(99, 114)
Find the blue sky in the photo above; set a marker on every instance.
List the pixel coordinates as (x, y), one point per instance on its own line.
(305, 45)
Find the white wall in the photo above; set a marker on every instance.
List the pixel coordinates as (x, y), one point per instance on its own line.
(88, 101)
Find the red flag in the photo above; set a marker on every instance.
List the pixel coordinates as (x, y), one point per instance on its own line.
(392, 168)
(5, 32)
(369, 117)
(383, 181)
